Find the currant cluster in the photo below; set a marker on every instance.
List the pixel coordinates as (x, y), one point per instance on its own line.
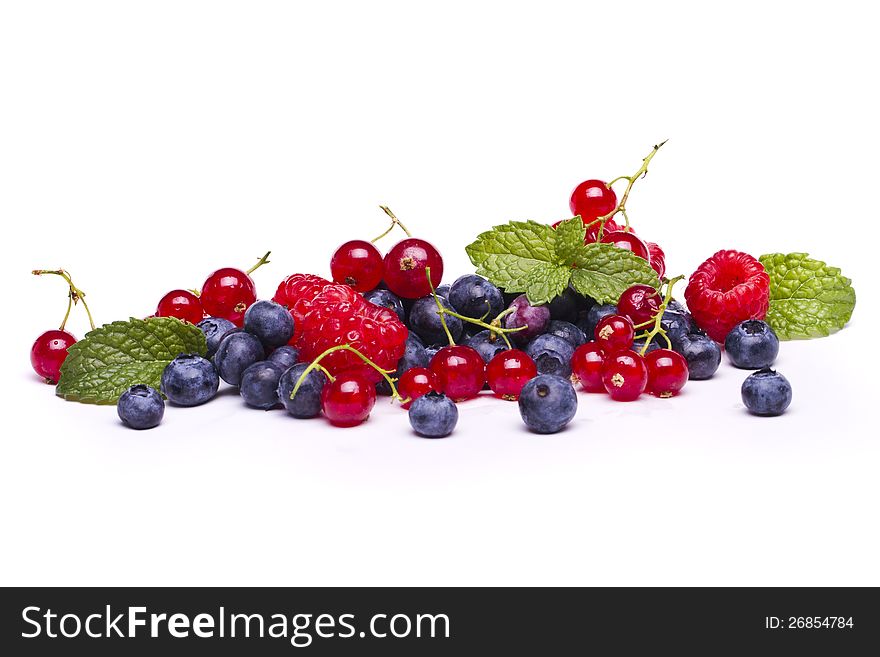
(226, 294)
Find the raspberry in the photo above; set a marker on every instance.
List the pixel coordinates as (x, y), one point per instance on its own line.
(730, 287)
(328, 314)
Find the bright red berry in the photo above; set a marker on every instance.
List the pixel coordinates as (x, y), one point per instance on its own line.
(181, 304)
(348, 399)
(327, 314)
(615, 333)
(657, 259)
(415, 382)
(624, 375)
(359, 264)
(640, 303)
(592, 234)
(460, 370)
(405, 266)
(228, 293)
(729, 288)
(509, 371)
(623, 239)
(592, 199)
(667, 372)
(586, 367)
(48, 352)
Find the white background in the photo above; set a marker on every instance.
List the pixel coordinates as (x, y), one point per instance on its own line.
(143, 145)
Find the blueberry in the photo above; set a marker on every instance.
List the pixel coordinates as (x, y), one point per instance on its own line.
(656, 343)
(286, 356)
(552, 354)
(443, 290)
(190, 380)
(766, 392)
(702, 353)
(566, 306)
(752, 345)
(424, 321)
(475, 297)
(547, 403)
(259, 384)
(237, 352)
(536, 319)
(414, 355)
(141, 407)
(307, 402)
(270, 322)
(215, 328)
(487, 344)
(594, 315)
(387, 299)
(676, 324)
(567, 331)
(432, 351)
(433, 415)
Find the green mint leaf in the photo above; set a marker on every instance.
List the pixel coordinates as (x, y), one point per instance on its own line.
(569, 239)
(108, 360)
(604, 271)
(507, 254)
(808, 299)
(545, 282)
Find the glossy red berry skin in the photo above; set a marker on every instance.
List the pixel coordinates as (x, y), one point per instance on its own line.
(48, 352)
(592, 199)
(460, 370)
(657, 259)
(359, 264)
(348, 399)
(586, 367)
(728, 288)
(640, 303)
(615, 333)
(181, 304)
(416, 382)
(625, 376)
(228, 293)
(508, 372)
(667, 372)
(405, 266)
(627, 240)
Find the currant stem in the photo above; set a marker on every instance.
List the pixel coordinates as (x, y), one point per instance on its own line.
(631, 180)
(394, 222)
(494, 326)
(262, 261)
(316, 365)
(74, 295)
(658, 317)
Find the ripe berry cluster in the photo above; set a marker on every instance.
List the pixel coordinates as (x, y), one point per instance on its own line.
(386, 325)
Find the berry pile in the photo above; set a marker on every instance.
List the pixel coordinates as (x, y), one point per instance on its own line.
(387, 325)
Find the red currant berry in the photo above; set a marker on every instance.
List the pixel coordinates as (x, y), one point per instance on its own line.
(48, 352)
(615, 333)
(348, 399)
(416, 382)
(625, 376)
(405, 266)
(509, 371)
(228, 293)
(460, 370)
(627, 240)
(592, 199)
(586, 367)
(359, 264)
(640, 303)
(657, 259)
(592, 234)
(667, 372)
(181, 304)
